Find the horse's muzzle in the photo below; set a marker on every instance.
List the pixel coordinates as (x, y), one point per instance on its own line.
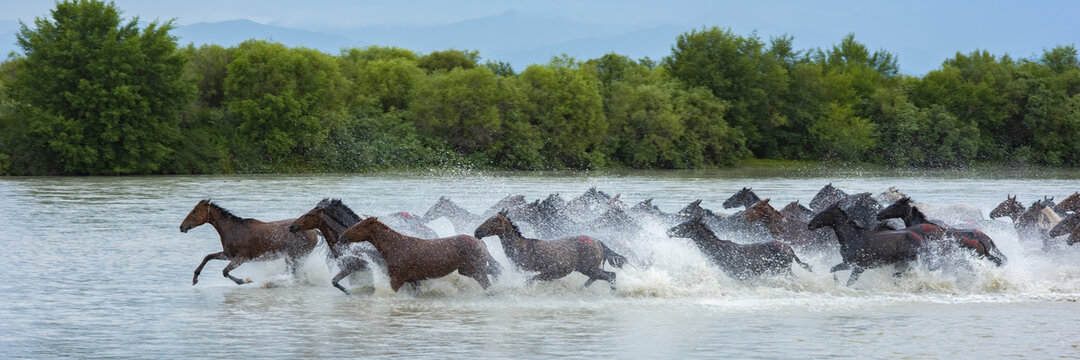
(184, 228)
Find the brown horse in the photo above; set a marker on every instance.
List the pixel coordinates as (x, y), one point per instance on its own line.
(1071, 204)
(244, 240)
(410, 259)
(785, 229)
(740, 261)
(332, 218)
(553, 259)
(916, 221)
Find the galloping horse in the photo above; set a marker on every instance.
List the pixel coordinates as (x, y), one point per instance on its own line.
(740, 261)
(862, 248)
(916, 221)
(1071, 204)
(744, 198)
(797, 211)
(825, 197)
(789, 231)
(244, 240)
(332, 218)
(459, 217)
(553, 259)
(410, 259)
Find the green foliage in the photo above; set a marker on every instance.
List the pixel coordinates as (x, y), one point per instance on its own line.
(447, 60)
(564, 104)
(100, 96)
(95, 95)
(285, 100)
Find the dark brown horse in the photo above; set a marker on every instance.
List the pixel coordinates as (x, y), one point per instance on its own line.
(862, 248)
(789, 231)
(740, 261)
(916, 221)
(553, 259)
(743, 198)
(1071, 204)
(331, 217)
(410, 259)
(244, 240)
(1066, 226)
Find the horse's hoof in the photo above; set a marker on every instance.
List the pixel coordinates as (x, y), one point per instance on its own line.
(195, 281)
(247, 280)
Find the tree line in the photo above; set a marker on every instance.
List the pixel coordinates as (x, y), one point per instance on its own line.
(91, 93)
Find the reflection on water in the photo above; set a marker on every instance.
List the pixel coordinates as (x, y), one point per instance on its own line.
(96, 267)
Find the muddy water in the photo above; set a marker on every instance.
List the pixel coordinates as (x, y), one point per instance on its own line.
(96, 267)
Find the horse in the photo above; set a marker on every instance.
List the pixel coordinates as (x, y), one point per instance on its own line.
(1074, 237)
(509, 202)
(889, 196)
(862, 248)
(1071, 204)
(410, 259)
(795, 210)
(553, 259)
(646, 210)
(614, 220)
(589, 204)
(409, 224)
(740, 261)
(825, 197)
(916, 221)
(458, 216)
(744, 198)
(244, 240)
(1066, 225)
(331, 217)
(788, 230)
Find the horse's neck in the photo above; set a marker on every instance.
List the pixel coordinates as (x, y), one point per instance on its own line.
(916, 217)
(226, 226)
(331, 230)
(513, 241)
(846, 234)
(708, 239)
(385, 239)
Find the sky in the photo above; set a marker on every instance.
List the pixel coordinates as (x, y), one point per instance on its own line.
(921, 33)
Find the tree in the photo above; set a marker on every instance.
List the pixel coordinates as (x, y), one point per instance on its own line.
(447, 60)
(284, 99)
(101, 96)
(565, 105)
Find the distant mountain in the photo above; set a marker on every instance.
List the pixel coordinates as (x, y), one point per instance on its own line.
(233, 32)
(653, 42)
(506, 32)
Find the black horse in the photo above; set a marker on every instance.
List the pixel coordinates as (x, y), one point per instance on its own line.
(863, 248)
(916, 221)
(744, 198)
(825, 197)
(740, 261)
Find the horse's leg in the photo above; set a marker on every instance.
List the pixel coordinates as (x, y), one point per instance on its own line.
(855, 272)
(214, 256)
(232, 265)
(839, 267)
(341, 275)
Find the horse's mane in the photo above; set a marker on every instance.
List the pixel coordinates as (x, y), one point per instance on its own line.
(373, 221)
(224, 212)
(339, 212)
(513, 226)
(763, 207)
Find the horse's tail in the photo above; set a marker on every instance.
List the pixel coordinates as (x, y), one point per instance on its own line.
(612, 257)
(493, 268)
(801, 263)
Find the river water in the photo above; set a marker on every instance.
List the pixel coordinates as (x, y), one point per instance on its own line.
(96, 267)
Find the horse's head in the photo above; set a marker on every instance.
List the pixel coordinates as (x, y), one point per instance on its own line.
(744, 197)
(310, 220)
(1010, 207)
(899, 209)
(694, 209)
(198, 216)
(441, 208)
(687, 229)
(831, 216)
(498, 224)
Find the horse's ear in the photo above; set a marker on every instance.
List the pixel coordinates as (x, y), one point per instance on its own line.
(766, 201)
(696, 203)
(503, 212)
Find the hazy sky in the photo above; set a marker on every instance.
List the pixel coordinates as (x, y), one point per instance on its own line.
(921, 33)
